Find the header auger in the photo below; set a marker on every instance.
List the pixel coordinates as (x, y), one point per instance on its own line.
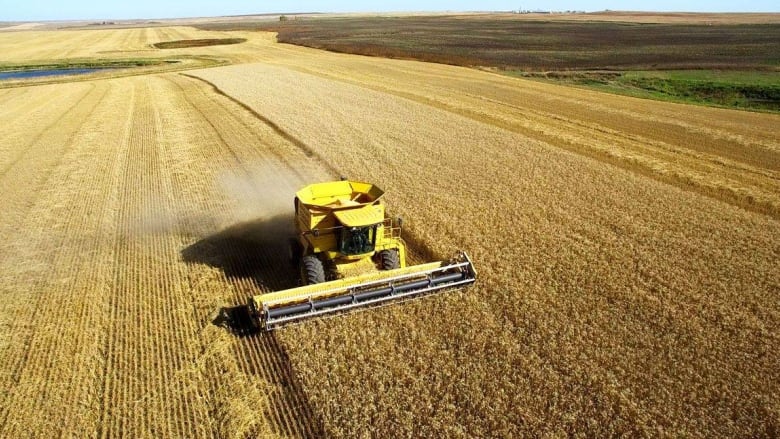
(351, 255)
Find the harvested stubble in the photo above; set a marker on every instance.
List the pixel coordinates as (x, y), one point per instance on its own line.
(106, 328)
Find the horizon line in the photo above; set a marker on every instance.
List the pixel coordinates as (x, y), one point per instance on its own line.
(437, 12)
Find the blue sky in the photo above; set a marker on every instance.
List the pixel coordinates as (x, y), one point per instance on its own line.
(19, 10)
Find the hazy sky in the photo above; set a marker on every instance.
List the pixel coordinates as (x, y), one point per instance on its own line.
(17, 10)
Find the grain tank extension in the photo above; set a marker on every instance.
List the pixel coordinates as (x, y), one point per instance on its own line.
(351, 255)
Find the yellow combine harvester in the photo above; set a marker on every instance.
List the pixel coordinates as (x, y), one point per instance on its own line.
(351, 255)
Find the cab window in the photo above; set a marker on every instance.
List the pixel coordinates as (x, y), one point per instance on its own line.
(358, 240)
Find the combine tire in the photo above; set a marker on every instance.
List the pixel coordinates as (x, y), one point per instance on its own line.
(312, 271)
(389, 259)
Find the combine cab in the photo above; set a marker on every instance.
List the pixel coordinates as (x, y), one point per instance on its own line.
(351, 255)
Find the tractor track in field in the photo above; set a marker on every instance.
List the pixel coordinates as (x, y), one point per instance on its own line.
(147, 346)
(57, 122)
(30, 171)
(20, 206)
(85, 213)
(270, 123)
(255, 355)
(214, 123)
(258, 354)
(152, 188)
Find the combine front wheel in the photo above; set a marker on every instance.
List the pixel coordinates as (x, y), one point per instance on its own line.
(312, 271)
(389, 259)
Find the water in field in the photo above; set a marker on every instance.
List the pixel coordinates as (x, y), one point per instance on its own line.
(24, 74)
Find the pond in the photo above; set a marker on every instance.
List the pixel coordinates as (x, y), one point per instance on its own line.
(24, 74)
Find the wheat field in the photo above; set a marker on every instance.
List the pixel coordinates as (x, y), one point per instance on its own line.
(628, 251)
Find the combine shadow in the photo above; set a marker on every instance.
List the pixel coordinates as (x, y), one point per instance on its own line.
(255, 255)
(255, 251)
(237, 320)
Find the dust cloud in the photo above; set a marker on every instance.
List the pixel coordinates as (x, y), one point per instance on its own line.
(250, 237)
(259, 194)
(260, 191)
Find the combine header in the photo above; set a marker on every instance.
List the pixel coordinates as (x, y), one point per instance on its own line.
(351, 255)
